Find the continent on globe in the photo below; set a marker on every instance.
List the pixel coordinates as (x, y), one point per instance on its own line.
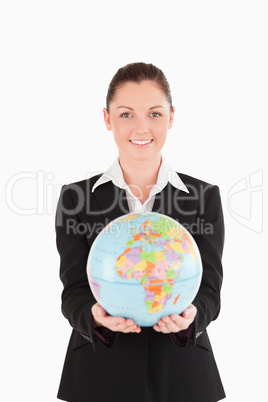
(153, 258)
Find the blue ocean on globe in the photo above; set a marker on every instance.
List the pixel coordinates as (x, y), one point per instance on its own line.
(144, 266)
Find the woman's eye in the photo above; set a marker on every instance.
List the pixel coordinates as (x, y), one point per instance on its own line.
(155, 114)
(125, 115)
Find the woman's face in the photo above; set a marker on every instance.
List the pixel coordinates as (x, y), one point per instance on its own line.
(139, 118)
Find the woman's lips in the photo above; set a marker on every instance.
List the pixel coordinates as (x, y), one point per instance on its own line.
(141, 143)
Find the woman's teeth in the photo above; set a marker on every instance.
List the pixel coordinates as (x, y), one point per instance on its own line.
(141, 142)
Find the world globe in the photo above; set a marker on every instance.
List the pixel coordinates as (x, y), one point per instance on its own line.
(144, 266)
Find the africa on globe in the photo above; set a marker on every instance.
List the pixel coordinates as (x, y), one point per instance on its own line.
(144, 266)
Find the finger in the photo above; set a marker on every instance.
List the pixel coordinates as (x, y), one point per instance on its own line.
(190, 312)
(98, 310)
(126, 325)
(115, 322)
(128, 328)
(101, 313)
(163, 327)
(181, 323)
(131, 326)
(171, 325)
(130, 322)
(178, 320)
(133, 329)
(98, 313)
(119, 324)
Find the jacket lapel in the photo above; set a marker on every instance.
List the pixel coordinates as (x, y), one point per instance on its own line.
(170, 202)
(112, 201)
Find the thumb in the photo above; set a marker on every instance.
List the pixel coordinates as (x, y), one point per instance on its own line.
(96, 310)
(101, 313)
(190, 312)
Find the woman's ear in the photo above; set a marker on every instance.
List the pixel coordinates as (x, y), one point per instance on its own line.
(107, 119)
(171, 118)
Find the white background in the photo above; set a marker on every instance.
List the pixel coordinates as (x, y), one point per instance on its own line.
(57, 59)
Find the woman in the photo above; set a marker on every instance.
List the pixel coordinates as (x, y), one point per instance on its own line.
(111, 358)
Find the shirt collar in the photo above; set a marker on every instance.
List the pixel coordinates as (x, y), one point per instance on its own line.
(166, 174)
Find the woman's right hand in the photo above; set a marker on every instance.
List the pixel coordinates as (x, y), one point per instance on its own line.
(116, 324)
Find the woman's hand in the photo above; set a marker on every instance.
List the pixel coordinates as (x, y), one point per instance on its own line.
(116, 324)
(175, 323)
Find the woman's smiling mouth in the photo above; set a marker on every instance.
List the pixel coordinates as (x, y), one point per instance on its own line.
(141, 143)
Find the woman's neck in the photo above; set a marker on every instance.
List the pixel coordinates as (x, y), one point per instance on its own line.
(140, 176)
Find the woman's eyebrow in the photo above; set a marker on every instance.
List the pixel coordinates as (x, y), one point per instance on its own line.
(130, 108)
(125, 107)
(154, 107)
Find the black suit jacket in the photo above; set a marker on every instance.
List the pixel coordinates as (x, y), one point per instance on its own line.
(150, 366)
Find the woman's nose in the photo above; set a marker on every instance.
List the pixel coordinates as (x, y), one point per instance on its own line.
(141, 125)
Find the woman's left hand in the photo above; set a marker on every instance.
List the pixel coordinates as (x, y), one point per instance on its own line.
(175, 323)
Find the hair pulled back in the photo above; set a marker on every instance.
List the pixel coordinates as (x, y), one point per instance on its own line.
(138, 72)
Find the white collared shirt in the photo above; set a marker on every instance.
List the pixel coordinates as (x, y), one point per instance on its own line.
(166, 174)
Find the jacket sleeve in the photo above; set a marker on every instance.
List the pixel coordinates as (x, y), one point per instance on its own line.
(73, 248)
(210, 241)
(209, 237)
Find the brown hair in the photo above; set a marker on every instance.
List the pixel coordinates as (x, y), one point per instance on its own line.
(137, 72)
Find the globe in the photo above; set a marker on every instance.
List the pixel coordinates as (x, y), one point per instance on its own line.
(144, 266)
